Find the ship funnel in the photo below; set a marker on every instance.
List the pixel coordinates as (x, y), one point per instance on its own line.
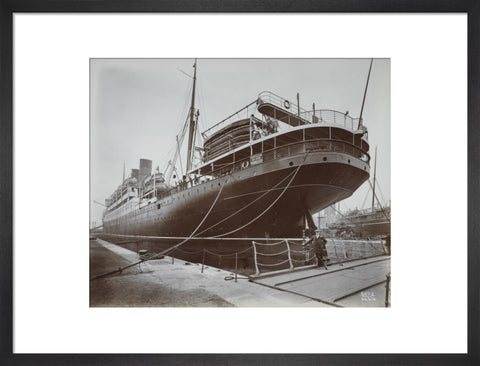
(134, 174)
(145, 168)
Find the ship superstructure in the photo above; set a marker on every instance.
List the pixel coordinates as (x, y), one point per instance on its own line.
(261, 172)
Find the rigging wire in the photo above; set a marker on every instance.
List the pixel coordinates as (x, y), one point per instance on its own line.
(381, 207)
(185, 108)
(381, 193)
(202, 101)
(365, 199)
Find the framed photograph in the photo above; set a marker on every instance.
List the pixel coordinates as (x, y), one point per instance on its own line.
(274, 192)
(95, 109)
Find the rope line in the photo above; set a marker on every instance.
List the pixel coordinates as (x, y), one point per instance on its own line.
(276, 243)
(273, 264)
(302, 261)
(300, 251)
(244, 207)
(226, 255)
(156, 237)
(272, 254)
(292, 176)
(199, 225)
(270, 206)
(297, 244)
(175, 246)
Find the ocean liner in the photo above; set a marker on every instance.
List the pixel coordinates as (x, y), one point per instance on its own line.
(261, 172)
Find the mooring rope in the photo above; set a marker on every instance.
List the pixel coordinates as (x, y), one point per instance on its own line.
(302, 260)
(229, 254)
(268, 208)
(276, 243)
(272, 254)
(274, 264)
(246, 206)
(300, 251)
(175, 246)
(289, 250)
(198, 226)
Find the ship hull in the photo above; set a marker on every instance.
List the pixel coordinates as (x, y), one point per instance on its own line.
(269, 199)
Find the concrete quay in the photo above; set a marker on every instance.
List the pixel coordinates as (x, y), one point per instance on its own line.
(175, 283)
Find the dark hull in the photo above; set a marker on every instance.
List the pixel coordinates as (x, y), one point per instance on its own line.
(322, 179)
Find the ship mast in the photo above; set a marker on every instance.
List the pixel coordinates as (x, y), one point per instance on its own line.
(364, 95)
(192, 129)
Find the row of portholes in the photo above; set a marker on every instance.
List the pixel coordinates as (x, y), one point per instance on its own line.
(325, 159)
(204, 188)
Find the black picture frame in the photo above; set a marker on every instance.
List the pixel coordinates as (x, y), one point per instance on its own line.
(8, 8)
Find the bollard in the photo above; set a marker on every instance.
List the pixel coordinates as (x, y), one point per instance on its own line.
(236, 265)
(173, 260)
(289, 256)
(203, 258)
(257, 271)
(387, 287)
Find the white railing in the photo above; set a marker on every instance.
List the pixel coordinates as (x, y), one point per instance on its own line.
(282, 103)
(267, 97)
(313, 116)
(243, 113)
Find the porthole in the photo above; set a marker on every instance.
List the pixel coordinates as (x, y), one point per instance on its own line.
(348, 161)
(291, 163)
(324, 158)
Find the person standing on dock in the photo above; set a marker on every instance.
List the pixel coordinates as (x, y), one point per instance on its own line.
(319, 248)
(388, 244)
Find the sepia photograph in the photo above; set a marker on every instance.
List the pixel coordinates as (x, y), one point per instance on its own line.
(233, 176)
(240, 182)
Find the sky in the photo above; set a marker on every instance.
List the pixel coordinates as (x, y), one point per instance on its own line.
(138, 106)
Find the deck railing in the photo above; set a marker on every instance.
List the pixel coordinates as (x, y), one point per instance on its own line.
(333, 117)
(313, 116)
(280, 152)
(307, 116)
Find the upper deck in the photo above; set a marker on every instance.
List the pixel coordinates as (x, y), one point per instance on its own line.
(270, 128)
(271, 105)
(273, 125)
